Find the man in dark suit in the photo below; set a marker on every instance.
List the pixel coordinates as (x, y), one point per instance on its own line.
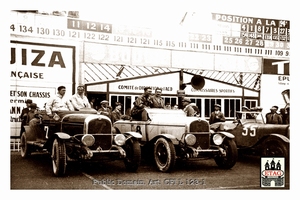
(273, 117)
(217, 115)
(24, 115)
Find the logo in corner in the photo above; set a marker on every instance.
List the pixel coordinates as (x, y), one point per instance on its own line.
(272, 172)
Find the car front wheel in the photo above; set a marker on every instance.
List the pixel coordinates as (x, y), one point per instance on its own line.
(229, 160)
(59, 157)
(25, 148)
(133, 155)
(164, 155)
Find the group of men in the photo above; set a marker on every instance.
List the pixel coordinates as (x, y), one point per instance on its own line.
(278, 118)
(79, 101)
(60, 102)
(147, 100)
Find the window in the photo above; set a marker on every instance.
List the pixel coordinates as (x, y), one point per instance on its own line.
(230, 106)
(125, 100)
(250, 103)
(209, 105)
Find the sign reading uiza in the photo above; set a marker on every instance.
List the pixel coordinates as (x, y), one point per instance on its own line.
(36, 70)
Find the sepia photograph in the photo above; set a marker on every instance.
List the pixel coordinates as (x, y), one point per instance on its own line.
(150, 96)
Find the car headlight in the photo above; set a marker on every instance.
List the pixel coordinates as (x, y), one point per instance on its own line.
(120, 139)
(88, 140)
(217, 139)
(190, 139)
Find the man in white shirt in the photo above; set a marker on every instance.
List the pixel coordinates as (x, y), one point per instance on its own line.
(79, 100)
(59, 102)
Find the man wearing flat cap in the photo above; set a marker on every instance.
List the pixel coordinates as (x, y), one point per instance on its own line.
(32, 112)
(187, 108)
(24, 115)
(105, 109)
(59, 102)
(217, 115)
(273, 117)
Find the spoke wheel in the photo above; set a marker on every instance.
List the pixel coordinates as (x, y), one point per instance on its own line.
(228, 161)
(25, 149)
(164, 155)
(59, 157)
(276, 148)
(133, 155)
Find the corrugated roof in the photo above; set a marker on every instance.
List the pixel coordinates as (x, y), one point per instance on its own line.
(98, 72)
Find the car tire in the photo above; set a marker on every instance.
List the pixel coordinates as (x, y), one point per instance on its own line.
(275, 148)
(164, 155)
(133, 155)
(231, 157)
(59, 157)
(25, 148)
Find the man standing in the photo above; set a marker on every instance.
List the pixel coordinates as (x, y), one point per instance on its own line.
(24, 115)
(157, 100)
(138, 111)
(187, 108)
(116, 114)
(79, 100)
(217, 115)
(105, 109)
(273, 117)
(59, 102)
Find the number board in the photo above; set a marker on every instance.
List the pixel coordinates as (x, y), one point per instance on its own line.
(255, 32)
(231, 34)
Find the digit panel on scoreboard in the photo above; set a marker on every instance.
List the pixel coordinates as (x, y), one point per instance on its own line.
(253, 32)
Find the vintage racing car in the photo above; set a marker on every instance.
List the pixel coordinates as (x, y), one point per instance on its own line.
(254, 136)
(171, 135)
(80, 136)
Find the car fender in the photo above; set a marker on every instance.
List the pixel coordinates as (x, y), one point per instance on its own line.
(277, 136)
(62, 135)
(229, 135)
(133, 134)
(172, 138)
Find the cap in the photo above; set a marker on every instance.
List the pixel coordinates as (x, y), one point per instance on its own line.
(274, 108)
(33, 105)
(186, 99)
(104, 101)
(217, 105)
(28, 101)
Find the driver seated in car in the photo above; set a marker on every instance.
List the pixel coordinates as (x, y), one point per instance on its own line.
(143, 101)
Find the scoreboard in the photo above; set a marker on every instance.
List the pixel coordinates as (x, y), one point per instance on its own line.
(228, 34)
(250, 31)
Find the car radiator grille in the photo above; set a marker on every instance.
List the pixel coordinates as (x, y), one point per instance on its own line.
(101, 129)
(201, 130)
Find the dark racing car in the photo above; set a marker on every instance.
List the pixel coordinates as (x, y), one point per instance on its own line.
(254, 136)
(79, 136)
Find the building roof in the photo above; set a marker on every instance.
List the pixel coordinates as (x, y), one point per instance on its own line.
(99, 72)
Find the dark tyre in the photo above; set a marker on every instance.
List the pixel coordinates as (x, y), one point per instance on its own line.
(275, 147)
(133, 155)
(164, 155)
(229, 160)
(59, 157)
(25, 148)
